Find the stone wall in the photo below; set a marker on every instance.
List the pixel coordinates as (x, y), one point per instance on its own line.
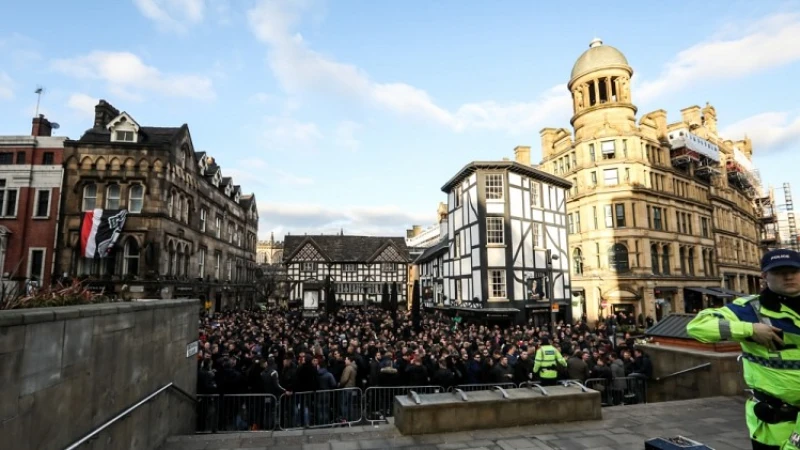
(67, 370)
(724, 377)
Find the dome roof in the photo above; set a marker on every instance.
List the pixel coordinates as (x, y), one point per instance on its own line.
(598, 56)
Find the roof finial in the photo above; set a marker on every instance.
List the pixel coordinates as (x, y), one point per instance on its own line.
(596, 42)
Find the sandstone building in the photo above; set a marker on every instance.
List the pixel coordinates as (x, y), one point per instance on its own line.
(30, 195)
(190, 232)
(269, 252)
(662, 216)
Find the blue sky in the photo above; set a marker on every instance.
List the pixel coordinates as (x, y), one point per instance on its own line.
(352, 114)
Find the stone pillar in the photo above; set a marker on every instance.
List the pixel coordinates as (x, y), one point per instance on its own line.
(597, 91)
(608, 88)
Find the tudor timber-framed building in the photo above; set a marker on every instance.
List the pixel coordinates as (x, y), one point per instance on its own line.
(357, 265)
(190, 232)
(503, 218)
(662, 216)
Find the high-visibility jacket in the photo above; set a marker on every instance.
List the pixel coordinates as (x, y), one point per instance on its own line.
(545, 362)
(776, 373)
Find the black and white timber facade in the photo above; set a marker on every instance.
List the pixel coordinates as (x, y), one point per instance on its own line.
(359, 266)
(502, 219)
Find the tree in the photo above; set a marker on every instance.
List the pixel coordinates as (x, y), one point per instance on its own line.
(271, 283)
(385, 297)
(416, 308)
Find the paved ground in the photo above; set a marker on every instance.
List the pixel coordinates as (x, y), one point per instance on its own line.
(716, 422)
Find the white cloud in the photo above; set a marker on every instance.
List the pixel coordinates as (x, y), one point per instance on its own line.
(295, 218)
(82, 103)
(299, 68)
(283, 133)
(6, 87)
(344, 135)
(126, 75)
(172, 15)
(769, 131)
(257, 172)
(766, 44)
(262, 97)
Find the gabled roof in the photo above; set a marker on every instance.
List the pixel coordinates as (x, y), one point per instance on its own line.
(198, 156)
(246, 200)
(339, 248)
(226, 181)
(511, 166)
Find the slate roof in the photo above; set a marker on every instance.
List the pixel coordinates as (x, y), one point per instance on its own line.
(246, 200)
(147, 135)
(433, 251)
(672, 326)
(343, 248)
(511, 166)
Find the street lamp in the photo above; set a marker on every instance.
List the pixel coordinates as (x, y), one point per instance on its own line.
(549, 258)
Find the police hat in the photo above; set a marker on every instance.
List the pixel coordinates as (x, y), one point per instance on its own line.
(782, 257)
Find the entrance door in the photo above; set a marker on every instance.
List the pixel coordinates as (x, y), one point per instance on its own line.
(310, 299)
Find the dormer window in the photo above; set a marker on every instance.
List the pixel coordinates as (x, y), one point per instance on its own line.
(123, 129)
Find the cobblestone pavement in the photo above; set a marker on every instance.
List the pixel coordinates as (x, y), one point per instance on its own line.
(717, 422)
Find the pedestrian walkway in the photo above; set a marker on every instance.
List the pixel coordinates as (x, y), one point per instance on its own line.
(717, 422)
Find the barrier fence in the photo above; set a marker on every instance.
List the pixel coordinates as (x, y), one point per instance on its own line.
(351, 406)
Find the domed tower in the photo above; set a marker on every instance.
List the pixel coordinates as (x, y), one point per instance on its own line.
(601, 90)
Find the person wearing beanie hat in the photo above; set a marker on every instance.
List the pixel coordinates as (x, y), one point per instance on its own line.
(767, 326)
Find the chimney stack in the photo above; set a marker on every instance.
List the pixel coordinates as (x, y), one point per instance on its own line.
(522, 154)
(41, 127)
(104, 113)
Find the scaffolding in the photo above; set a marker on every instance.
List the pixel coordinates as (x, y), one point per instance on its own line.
(792, 228)
(688, 149)
(768, 219)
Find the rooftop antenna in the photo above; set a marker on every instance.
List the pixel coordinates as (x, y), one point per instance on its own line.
(39, 91)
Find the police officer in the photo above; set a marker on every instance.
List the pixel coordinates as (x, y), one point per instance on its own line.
(546, 362)
(768, 328)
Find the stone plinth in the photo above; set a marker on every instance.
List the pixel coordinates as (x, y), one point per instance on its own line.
(441, 413)
(67, 370)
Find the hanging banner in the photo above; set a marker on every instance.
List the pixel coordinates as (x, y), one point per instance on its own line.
(100, 230)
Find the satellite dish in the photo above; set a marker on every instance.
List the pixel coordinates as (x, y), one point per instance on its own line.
(54, 125)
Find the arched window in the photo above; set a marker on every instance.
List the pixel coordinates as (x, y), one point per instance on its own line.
(186, 260)
(618, 258)
(691, 261)
(171, 268)
(135, 198)
(654, 258)
(665, 260)
(178, 208)
(112, 196)
(577, 261)
(130, 262)
(170, 204)
(89, 197)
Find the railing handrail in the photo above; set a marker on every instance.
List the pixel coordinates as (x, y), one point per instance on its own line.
(681, 372)
(129, 410)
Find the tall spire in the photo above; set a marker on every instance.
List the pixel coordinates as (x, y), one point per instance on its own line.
(271, 237)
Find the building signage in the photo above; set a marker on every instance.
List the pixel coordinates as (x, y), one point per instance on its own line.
(191, 348)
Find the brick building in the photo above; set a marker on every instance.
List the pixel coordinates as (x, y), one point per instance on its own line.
(30, 194)
(189, 232)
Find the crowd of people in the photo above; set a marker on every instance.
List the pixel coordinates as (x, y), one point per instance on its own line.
(280, 352)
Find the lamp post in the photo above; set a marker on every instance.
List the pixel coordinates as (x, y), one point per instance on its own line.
(549, 258)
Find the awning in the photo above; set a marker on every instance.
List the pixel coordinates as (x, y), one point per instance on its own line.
(706, 291)
(729, 292)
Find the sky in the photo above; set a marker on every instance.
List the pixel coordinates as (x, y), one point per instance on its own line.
(350, 115)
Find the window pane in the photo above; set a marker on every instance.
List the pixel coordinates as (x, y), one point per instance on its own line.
(610, 177)
(494, 186)
(42, 203)
(11, 203)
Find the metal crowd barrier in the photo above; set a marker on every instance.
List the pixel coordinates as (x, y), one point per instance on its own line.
(351, 406)
(620, 391)
(321, 409)
(379, 401)
(237, 412)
